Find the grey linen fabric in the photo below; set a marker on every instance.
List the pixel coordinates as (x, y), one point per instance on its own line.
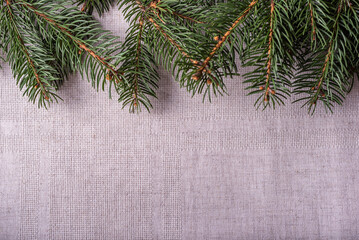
(85, 169)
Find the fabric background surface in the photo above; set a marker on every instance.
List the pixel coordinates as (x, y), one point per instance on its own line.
(85, 169)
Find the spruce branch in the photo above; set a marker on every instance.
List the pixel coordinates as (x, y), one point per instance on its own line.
(168, 38)
(180, 28)
(312, 21)
(139, 66)
(305, 47)
(28, 57)
(81, 43)
(172, 33)
(269, 54)
(62, 35)
(223, 39)
(331, 65)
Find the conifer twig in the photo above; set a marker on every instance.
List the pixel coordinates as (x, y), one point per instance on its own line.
(269, 62)
(23, 47)
(66, 31)
(225, 36)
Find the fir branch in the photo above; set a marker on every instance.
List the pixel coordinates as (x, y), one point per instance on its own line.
(312, 21)
(81, 44)
(99, 55)
(138, 55)
(140, 70)
(270, 55)
(25, 51)
(330, 67)
(28, 56)
(153, 4)
(224, 37)
(196, 40)
(171, 51)
(173, 42)
(182, 53)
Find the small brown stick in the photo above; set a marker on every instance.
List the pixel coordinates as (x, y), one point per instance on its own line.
(269, 63)
(225, 36)
(187, 18)
(312, 20)
(138, 53)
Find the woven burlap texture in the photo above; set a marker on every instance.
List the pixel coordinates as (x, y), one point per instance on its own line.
(86, 169)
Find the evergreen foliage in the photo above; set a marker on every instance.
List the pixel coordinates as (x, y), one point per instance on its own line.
(307, 48)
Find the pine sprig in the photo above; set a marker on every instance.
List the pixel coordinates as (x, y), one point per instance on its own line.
(293, 47)
(29, 60)
(139, 69)
(269, 54)
(44, 41)
(179, 27)
(331, 63)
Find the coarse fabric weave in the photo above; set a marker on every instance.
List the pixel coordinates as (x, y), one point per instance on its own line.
(86, 169)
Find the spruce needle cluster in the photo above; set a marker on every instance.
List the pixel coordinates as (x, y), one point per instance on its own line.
(306, 50)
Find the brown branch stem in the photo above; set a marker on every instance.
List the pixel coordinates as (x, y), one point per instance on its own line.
(225, 36)
(138, 54)
(269, 63)
(173, 42)
(312, 20)
(186, 17)
(328, 55)
(31, 62)
(80, 44)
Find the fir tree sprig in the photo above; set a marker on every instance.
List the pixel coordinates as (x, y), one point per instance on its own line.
(29, 60)
(46, 40)
(270, 53)
(302, 47)
(331, 60)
